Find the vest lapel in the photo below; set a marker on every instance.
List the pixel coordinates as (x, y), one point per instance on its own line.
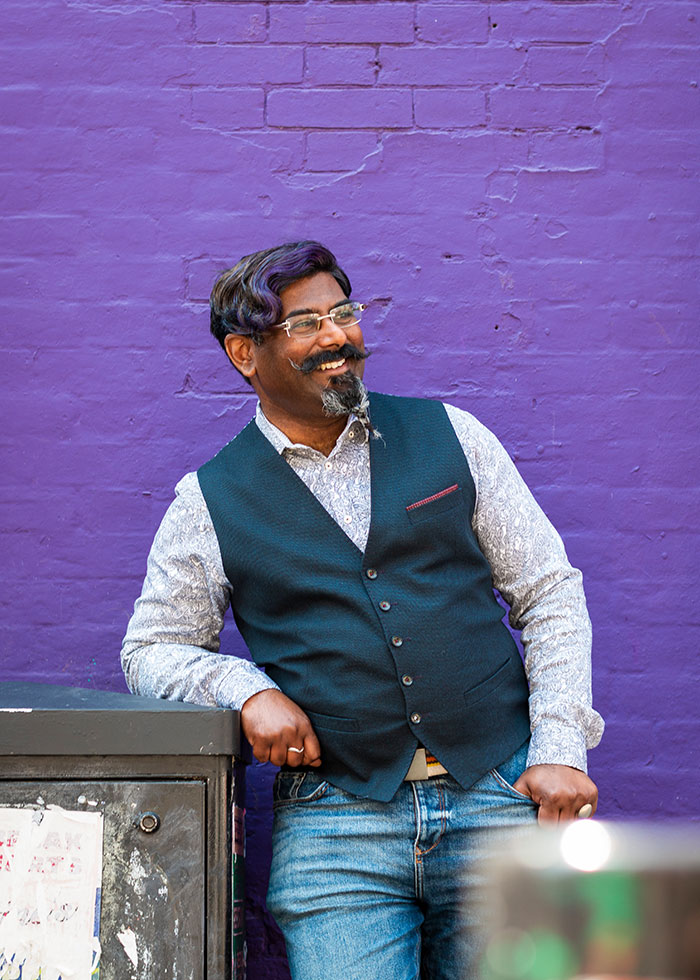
(288, 490)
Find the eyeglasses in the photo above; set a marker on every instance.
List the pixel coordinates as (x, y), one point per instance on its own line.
(344, 316)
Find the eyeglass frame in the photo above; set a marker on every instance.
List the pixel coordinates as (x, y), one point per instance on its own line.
(286, 325)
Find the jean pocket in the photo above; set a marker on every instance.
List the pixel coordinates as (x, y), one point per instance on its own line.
(504, 784)
(297, 787)
(510, 770)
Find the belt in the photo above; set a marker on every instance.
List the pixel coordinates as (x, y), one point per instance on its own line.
(424, 766)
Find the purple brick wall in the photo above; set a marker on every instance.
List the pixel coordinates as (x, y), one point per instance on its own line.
(514, 187)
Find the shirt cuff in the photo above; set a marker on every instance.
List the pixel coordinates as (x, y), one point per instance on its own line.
(553, 743)
(235, 688)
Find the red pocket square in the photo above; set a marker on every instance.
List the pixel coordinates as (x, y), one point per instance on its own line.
(435, 496)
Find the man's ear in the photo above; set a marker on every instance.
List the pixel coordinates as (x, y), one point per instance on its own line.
(241, 353)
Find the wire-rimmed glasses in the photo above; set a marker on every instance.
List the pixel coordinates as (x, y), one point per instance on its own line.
(345, 315)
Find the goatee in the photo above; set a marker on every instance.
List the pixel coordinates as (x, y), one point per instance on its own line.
(345, 395)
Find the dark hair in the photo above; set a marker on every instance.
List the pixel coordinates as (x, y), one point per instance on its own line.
(245, 299)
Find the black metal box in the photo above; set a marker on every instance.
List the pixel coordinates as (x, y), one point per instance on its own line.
(162, 774)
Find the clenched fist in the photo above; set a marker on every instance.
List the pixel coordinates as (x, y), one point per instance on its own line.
(560, 791)
(274, 725)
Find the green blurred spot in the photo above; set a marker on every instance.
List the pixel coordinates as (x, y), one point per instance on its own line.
(534, 955)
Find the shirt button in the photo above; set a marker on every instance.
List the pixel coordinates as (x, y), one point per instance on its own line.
(384, 605)
(371, 573)
(415, 718)
(328, 465)
(397, 641)
(347, 519)
(407, 680)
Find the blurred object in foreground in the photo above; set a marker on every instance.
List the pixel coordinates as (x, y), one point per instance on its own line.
(596, 901)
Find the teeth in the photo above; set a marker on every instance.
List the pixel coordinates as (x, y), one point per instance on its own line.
(332, 364)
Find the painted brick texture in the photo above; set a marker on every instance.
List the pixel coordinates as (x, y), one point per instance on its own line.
(511, 185)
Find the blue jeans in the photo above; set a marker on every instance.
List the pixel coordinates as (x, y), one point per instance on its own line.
(387, 891)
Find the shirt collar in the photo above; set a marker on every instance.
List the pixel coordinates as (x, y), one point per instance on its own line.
(354, 433)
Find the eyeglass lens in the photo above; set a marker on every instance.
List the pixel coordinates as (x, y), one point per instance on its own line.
(342, 316)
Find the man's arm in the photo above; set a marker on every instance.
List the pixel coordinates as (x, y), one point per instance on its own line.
(171, 649)
(532, 573)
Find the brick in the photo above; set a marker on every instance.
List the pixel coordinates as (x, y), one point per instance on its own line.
(626, 510)
(566, 64)
(669, 235)
(451, 24)
(649, 64)
(656, 25)
(338, 151)
(333, 109)
(439, 153)
(85, 62)
(615, 278)
(669, 107)
(567, 151)
(235, 108)
(230, 22)
(542, 108)
(94, 24)
(553, 21)
(637, 151)
(23, 193)
(255, 153)
(201, 273)
(590, 194)
(449, 108)
(240, 64)
(106, 107)
(328, 23)
(470, 65)
(340, 65)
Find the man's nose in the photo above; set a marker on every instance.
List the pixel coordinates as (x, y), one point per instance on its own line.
(329, 333)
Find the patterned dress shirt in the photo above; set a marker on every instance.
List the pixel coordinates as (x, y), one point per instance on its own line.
(171, 649)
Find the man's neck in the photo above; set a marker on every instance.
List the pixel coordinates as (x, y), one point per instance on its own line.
(321, 434)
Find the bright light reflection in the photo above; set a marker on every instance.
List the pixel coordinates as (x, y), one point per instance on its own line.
(586, 845)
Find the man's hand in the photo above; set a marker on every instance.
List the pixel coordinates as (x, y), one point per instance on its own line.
(274, 724)
(560, 791)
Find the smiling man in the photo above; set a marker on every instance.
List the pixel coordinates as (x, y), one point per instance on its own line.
(358, 538)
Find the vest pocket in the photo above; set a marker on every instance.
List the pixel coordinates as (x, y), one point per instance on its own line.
(438, 503)
(333, 723)
(485, 687)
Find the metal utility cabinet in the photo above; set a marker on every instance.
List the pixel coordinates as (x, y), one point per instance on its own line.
(162, 774)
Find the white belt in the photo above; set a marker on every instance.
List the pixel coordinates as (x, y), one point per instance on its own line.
(421, 769)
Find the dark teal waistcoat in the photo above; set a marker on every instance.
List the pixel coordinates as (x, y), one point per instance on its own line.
(402, 645)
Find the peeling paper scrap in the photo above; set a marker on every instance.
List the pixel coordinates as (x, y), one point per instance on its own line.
(50, 887)
(128, 940)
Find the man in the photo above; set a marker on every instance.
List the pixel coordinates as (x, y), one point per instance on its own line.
(358, 539)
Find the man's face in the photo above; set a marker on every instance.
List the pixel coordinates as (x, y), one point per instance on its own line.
(287, 391)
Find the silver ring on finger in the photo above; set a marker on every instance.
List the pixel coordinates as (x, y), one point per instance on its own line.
(585, 812)
(292, 749)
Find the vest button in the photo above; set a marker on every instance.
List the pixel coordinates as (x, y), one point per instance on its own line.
(396, 641)
(415, 718)
(371, 573)
(407, 680)
(384, 605)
